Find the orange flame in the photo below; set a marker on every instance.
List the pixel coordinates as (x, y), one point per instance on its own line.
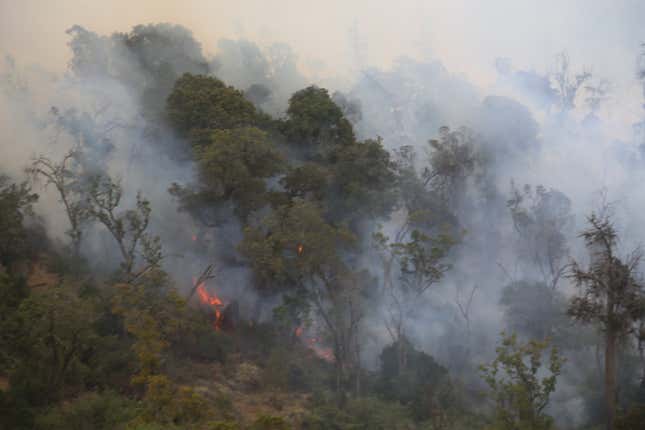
(211, 300)
(312, 343)
(300, 248)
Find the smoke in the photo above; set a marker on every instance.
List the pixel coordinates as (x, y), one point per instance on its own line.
(401, 72)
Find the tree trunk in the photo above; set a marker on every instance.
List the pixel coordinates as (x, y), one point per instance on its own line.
(341, 398)
(610, 378)
(402, 353)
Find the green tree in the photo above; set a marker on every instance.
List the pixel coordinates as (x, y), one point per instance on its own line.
(52, 338)
(15, 203)
(423, 385)
(413, 262)
(520, 395)
(541, 219)
(315, 123)
(153, 314)
(200, 104)
(295, 249)
(609, 295)
(12, 292)
(362, 184)
(353, 180)
(233, 167)
(454, 159)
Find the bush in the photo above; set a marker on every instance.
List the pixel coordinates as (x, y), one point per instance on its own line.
(267, 422)
(366, 413)
(92, 411)
(632, 420)
(199, 341)
(222, 425)
(422, 385)
(248, 375)
(15, 412)
(166, 403)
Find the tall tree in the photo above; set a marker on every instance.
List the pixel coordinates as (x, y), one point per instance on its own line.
(454, 159)
(609, 295)
(541, 219)
(65, 179)
(419, 259)
(295, 249)
(315, 123)
(233, 168)
(129, 228)
(199, 104)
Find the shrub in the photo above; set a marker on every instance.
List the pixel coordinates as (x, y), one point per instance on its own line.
(422, 385)
(92, 411)
(267, 422)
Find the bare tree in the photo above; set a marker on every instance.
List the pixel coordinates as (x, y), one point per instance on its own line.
(464, 304)
(541, 219)
(609, 295)
(337, 299)
(205, 276)
(129, 228)
(63, 176)
(567, 84)
(419, 261)
(597, 93)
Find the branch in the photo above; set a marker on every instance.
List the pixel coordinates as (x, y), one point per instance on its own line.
(206, 275)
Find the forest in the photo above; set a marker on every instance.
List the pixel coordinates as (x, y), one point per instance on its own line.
(218, 242)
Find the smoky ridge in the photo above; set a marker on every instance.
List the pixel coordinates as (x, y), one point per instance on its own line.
(391, 234)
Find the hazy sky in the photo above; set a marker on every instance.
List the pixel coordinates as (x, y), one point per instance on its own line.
(465, 35)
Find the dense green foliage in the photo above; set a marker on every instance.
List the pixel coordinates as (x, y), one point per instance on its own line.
(344, 242)
(519, 392)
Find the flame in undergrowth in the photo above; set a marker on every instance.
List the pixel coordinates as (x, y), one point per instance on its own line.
(313, 344)
(211, 300)
(193, 238)
(300, 248)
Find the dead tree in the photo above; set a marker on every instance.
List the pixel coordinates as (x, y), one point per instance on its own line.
(567, 84)
(128, 228)
(465, 305)
(63, 177)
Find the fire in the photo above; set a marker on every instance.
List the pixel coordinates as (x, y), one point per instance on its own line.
(211, 300)
(312, 343)
(193, 237)
(300, 248)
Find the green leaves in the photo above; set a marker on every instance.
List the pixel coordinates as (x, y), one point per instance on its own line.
(293, 244)
(609, 291)
(15, 204)
(199, 102)
(51, 331)
(519, 393)
(315, 120)
(234, 167)
(129, 228)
